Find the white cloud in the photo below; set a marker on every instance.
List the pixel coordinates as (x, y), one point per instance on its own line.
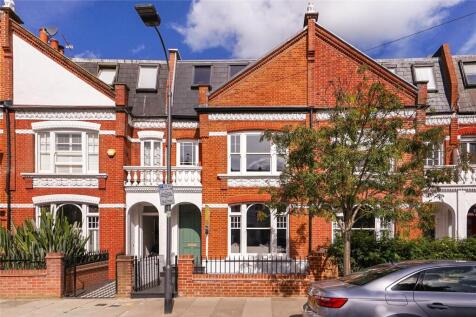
(138, 49)
(249, 28)
(469, 46)
(87, 54)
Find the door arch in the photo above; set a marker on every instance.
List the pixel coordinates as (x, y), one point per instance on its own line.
(471, 222)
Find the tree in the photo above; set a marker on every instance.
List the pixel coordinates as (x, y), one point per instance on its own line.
(366, 160)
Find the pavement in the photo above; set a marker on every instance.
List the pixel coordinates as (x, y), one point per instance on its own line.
(187, 307)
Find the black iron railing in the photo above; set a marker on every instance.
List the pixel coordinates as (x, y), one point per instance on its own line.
(252, 265)
(149, 272)
(21, 264)
(72, 262)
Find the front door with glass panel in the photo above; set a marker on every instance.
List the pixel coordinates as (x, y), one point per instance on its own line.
(189, 231)
(150, 235)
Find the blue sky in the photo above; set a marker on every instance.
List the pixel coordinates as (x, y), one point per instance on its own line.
(248, 28)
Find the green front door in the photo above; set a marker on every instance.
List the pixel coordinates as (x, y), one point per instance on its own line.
(189, 231)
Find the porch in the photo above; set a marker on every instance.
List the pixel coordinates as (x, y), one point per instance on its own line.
(455, 206)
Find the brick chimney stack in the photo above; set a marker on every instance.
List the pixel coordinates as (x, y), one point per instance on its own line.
(43, 35)
(311, 13)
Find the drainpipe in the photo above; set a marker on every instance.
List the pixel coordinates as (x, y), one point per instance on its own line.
(309, 251)
(6, 105)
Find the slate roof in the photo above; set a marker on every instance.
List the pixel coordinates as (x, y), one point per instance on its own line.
(148, 104)
(467, 96)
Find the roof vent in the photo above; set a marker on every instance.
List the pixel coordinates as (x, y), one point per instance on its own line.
(9, 4)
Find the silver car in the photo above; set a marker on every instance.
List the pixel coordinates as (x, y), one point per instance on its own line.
(405, 289)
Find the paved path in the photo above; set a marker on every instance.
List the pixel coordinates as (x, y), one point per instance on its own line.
(186, 307)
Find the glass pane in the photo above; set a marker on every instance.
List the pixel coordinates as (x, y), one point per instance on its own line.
(44, 162)
(470, 73)
(107, 75)
(235, 144)
(147, 153)
(93, 162)
(147, 77)
(426, 74)
(187, 153)
(258, 216)
(281, 240)
(72, 213)
(472, 153)
(157, 153)
(63, 170)
(258, 162)
(235, 209)
(407, 284)
(449, 280)
(201, 75)
(76, 169)
(366, 222)
(254, 145)
(235, 69)
(371, 274)
(235, 241)
(258, 240)
(235, 162)
(280, 163)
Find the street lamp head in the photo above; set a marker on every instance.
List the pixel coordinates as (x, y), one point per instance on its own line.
(148, 14)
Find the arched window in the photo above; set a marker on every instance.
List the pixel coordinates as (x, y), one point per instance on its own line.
(255, 229)
(85, 216)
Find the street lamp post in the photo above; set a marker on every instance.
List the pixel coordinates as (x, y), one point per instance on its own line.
(151, 18)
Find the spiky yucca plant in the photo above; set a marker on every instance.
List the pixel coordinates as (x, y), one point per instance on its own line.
(29, 241)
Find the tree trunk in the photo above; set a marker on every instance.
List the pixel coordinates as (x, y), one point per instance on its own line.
(347, 234)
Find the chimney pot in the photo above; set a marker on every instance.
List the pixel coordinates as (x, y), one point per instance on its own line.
(54, 44)
(43, 35)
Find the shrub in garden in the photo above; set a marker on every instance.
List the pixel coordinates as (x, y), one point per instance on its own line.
(368, 251)
(33, 242)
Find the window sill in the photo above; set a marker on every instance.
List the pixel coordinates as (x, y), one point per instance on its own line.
(265, 179)
(51, 180)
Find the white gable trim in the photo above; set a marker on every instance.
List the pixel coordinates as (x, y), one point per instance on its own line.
(47, 199)
(49, 125)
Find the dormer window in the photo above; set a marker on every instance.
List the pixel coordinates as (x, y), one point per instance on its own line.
(107, 74)
(201, 75)
(235, 69)
(424, 74)
(468, 71)
(147, 77)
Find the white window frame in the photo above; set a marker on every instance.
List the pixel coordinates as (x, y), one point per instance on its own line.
(195, 150)
(243, 231)
(140, 85)
(440, 160)
(431, 85)
(378, 229)
(243, 153)
(53, 153)
(467, 141)
(107, 68)
(86, 214)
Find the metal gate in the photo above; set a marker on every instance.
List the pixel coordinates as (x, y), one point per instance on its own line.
(149, 276)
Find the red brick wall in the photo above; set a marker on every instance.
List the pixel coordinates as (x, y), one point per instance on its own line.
(34, 283)
(255, 285)
(125, 275)
(87, 276)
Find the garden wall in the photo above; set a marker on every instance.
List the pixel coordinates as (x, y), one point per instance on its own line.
(256, 285)
(37, 283)
(87, 276)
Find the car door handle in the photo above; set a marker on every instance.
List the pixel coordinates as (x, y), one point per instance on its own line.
(437, 306)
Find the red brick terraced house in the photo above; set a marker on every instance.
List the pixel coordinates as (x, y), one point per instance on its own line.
(87, 138)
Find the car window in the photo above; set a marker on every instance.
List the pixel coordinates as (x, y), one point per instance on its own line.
(407, 284)
(370, 274)
(449, 279)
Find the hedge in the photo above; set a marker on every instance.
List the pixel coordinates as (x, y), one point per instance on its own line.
(368, 251)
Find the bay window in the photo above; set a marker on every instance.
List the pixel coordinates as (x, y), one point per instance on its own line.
(84, 216)
(255, 229)
(67, 152)
(249, 153)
